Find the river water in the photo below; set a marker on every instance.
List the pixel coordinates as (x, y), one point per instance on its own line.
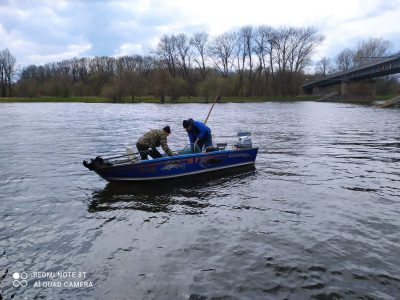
(319, 217)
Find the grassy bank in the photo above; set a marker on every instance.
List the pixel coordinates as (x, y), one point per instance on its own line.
(384, 97)
(56, 99)
(157, 100)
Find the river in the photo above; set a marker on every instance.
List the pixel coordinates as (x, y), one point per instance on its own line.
(319, 217)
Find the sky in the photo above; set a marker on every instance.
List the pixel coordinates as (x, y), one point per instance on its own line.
(38, 32)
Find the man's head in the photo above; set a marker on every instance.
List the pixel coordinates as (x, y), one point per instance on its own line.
(167, 130)
(188, 124)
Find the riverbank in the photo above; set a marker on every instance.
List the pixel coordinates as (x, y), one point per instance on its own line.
(157, 100)
(257, 99)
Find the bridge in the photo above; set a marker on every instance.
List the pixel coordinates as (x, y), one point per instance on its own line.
(356, 83)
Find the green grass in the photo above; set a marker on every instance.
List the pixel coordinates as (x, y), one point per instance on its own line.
(56, 99)
(142, 99)
(185, 99)
(384, 97)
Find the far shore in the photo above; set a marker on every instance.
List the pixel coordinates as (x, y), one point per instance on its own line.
(169, 100)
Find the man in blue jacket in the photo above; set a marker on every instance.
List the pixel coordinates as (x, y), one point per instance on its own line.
(199, 134)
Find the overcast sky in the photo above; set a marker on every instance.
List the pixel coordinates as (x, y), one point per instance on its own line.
(51, 30)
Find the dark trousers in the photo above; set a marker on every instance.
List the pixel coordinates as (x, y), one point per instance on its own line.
(144, 151)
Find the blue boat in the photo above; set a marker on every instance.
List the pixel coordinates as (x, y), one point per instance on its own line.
(186, 163)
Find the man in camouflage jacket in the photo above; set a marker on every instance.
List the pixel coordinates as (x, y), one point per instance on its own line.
(147, 144)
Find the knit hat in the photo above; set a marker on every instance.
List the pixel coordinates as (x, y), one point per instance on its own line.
(187, 123)
(167, 129)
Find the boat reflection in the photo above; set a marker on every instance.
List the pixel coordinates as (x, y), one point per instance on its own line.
(188, 196)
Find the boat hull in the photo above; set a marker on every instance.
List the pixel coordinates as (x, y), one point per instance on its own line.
(179, 166)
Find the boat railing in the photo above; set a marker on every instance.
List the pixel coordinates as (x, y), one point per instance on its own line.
(190, 149)
(134, 157)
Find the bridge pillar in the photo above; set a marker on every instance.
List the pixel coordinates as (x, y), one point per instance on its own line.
(358, 91)
(325, 90)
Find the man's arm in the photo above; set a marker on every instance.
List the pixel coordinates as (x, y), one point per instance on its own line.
(191, 137)
(164, 146)
(203, 130)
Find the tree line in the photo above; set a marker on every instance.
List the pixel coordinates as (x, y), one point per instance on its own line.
(251, 61)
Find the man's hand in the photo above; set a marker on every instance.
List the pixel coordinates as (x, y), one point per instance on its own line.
(196, 146)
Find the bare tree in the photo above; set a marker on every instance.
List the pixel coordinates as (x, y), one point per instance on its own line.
(248, 35)
(7, 71)
(148, 65)
(243, 55)
(129, 63)
(280, 42)
(344, 60)
(263, 50)
(184, 55)
(199, 42)
(3, 80)
(371, 50)
(101, 70)
(221, 52)
(324, 66)
(305, 42)
(166, 51)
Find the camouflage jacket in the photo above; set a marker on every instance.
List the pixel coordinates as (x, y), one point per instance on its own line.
(155, 138)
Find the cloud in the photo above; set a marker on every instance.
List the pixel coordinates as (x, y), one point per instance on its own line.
(348, 32)
(59, 54)
(129, 49)
(44, 30)
(39, 34)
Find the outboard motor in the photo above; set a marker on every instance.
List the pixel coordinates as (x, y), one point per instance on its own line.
(244, 139)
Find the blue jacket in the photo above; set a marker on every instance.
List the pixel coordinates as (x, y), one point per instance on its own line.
(199, 131)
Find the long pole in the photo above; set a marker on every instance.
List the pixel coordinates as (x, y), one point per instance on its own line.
(215, 101)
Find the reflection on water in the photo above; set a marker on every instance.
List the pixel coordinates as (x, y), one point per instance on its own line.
(190, 193)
